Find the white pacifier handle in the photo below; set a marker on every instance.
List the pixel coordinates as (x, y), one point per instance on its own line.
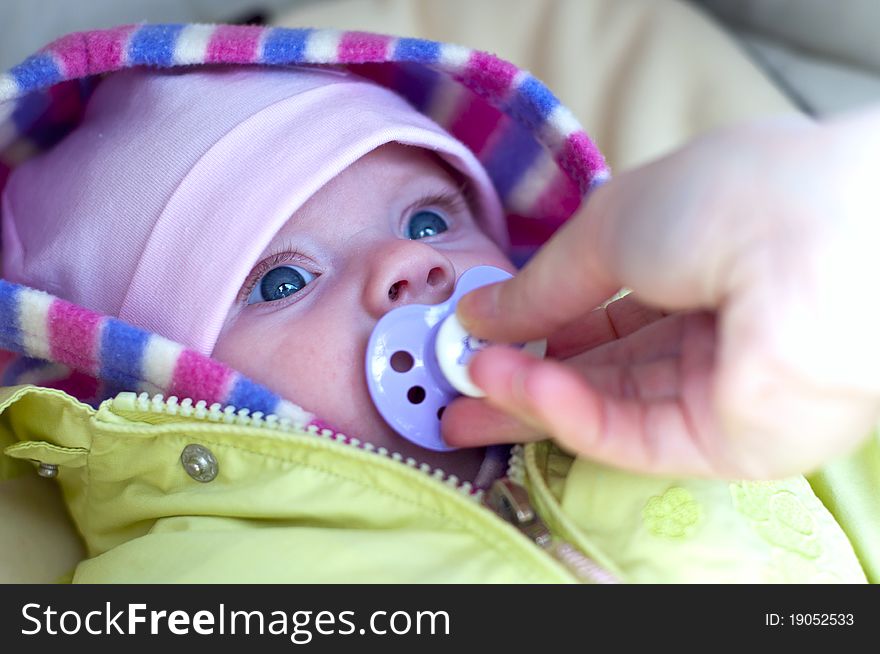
(455, 347)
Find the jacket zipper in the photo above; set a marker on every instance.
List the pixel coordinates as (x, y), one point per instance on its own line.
(201, 410)
(507, 497)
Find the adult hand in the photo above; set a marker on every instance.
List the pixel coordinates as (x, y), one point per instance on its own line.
(750, 346)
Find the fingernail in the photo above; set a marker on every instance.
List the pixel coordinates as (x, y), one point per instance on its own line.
(478, 306)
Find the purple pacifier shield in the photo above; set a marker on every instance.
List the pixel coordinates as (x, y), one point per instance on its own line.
(403, 375)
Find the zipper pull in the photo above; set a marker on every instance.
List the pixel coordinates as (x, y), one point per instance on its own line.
(511, 502)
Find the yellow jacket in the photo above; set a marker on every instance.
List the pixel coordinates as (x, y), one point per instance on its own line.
(253, 502)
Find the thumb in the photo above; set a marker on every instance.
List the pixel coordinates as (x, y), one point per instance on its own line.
(561, 282)
(672, 230)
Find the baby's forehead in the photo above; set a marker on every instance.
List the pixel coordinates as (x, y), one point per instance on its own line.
(374, 189)
(400, 162)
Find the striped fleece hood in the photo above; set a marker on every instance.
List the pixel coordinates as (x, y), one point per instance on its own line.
(538, 158)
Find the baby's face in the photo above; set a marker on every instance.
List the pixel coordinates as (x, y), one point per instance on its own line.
(392, 229)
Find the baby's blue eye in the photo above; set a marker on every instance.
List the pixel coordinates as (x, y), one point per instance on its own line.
(279, 283)
(426, 223)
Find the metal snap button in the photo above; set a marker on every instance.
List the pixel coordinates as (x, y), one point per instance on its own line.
(47, 470)
(199, 462)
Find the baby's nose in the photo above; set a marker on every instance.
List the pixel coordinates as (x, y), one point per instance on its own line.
(408, 272)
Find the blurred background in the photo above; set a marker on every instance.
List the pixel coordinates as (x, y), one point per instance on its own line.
(643, 76)
(825, 54)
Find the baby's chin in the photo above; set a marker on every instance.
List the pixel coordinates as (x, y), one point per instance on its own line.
(464, 463)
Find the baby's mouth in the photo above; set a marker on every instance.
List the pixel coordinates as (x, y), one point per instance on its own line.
(417, 360)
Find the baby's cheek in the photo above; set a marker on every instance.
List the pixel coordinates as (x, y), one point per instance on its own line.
(339, 392)
(484, 253)
(325, 375)
(233, 349)
(264, 353)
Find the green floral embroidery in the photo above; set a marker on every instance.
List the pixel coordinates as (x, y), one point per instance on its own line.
(674, 514)
(778, 515)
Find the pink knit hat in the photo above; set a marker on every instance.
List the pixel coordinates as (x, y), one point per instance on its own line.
(176, 182)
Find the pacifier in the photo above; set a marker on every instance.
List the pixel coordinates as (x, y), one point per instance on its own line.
(417, 361)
